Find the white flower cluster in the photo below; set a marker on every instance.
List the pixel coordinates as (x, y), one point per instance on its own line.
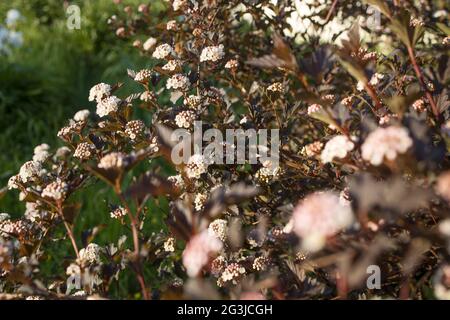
(376, 78)
(118, 213)
(177, 180)
(419, 105)
(30, 170)
(149, 44)
(90, 254)
(108, 105)
(169, 245)
(41, 152)
(348, 101)
(385, 143)
(134, 128)
(56, 190)
(196, 166)
(172, 65)
(178, 4)
(178, 81)
(147, 96)
(212, 53)
(185, 119)
(219, 229)
(218, 265)
(99, 91)
(172, 25)
(200, 200)
(33, 211)
(162, 51)
(232, 272)
(318, 216)
(113, 160)
(231, 64)
(268, 172)
(276, 87)
(143, 75)
(260, 263)
(198, 251)
(81, 115)
(314, 108)
(193, 101)
(84, 150)
(338, 147)
(313, 149)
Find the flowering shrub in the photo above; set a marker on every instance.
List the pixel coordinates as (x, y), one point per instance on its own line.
(361, 180)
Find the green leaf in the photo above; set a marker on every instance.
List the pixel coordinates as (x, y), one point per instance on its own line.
(444, 28)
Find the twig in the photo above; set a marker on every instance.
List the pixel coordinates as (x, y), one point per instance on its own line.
(420, 76)
(331, 11)
(135, 232)
(69, 230)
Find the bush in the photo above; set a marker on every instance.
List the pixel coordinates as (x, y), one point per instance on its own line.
(357, 185)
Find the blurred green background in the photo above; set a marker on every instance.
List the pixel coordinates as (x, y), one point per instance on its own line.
(46, 80)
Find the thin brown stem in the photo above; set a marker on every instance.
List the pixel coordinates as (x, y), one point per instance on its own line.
(135, 233)
(331, 11)
(69, 230)
(421, 78)
(371, 91)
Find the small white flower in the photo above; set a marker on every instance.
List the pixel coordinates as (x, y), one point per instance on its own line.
(178, 4)
(29, 171)
(162, 51)
(108, 105)
(231, 64)
(185, 119)
(314, 108)
(193, 101)
(276, 87)
(360, 86)
(177, 180)
(99, 91)
(90, 254)
(219, 229)
(212, 53)
(178, 81)
(172, 25)
(82, 115)
(196, 166)
(337, 147)
(199, 201)
(172, 65)
(375, 80)
(149, 44)
(143, 75)
(56, 190)
(134, 128)
(41, 153)
(84, 150)
(118, 213)
(113, 160)
(385, 143)
(169, 245)
(13, 182)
